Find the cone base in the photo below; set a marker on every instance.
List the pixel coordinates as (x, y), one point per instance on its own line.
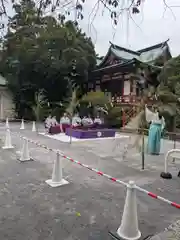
(114, 236)
(22, 128)
(166, 175)
(25, 160)
(122, 236)
(57, 184)
(10, 147)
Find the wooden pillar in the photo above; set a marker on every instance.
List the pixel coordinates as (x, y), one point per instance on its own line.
(131, 86)
(122, 93)
(133, 90)
(123, 118)
(127, 87)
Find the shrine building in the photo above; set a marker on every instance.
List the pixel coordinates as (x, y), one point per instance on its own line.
(122, 71)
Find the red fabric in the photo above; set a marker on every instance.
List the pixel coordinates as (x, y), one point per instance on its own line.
(64, 126)
(55, 129)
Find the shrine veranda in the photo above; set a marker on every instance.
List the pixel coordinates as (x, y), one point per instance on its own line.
(90, 205)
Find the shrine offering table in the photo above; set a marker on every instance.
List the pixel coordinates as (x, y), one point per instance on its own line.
(56, 129)
(90, 133)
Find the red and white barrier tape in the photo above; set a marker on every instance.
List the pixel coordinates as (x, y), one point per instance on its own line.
(155, 196)
(75, 161)
(152, 195)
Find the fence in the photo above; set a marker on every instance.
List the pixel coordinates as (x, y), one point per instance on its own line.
(171, 140)
(171, 137)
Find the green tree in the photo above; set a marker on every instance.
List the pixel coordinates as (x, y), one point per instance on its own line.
(168, 92)
(39, 53)
(166, 95)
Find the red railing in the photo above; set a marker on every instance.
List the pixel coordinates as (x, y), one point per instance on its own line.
(125, 99)
(127, 116)
(129, 99)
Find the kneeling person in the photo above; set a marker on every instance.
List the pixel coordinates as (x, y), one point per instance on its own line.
(76, 121)
(64, 122)
(48, 123)
(87, 121)
(97, 121)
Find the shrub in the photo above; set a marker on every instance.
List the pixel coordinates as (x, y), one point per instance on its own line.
(114, 118)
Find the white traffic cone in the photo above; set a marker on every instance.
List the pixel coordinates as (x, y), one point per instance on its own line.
(8, 144)
(34, 127)
(25, 152)
(22, 125)
(128, 229)
(57, 178)
(7, 123)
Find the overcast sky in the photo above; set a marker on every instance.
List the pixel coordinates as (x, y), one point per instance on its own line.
(150, 27)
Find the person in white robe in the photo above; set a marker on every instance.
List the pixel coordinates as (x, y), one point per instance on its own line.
(48, 123)
(87, 121)
(157, 125)
(98, 120)
(54, 121)
(64, 122)
(76, 120)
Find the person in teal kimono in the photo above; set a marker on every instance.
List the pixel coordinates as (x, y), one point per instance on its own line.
(157, 124)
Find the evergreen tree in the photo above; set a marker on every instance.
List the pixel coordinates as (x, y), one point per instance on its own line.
(39, 53)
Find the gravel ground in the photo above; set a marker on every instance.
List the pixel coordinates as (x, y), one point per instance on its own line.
(90, 205)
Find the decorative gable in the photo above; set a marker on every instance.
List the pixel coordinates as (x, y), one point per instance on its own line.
(112, 60)
(120, 55)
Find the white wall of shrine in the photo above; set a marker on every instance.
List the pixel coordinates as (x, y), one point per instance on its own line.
(6, 104)
(127, 87)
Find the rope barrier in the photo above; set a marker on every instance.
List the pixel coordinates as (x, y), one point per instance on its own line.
(100, 173)
(155, 196)
(11, 120)
(74, 161)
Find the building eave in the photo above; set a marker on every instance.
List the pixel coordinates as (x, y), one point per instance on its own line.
(122, 67)
(114, 67)
(129, 54)
(105, 58)
(159, 45)
(124, 49)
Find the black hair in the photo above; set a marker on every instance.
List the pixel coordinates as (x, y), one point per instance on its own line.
(160, 115)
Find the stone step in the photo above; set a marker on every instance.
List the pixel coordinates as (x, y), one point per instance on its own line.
(134, 122)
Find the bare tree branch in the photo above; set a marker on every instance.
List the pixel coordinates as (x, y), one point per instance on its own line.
(116, 8)
(3, 8)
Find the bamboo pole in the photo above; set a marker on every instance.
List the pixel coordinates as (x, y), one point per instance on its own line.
(142, 151)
